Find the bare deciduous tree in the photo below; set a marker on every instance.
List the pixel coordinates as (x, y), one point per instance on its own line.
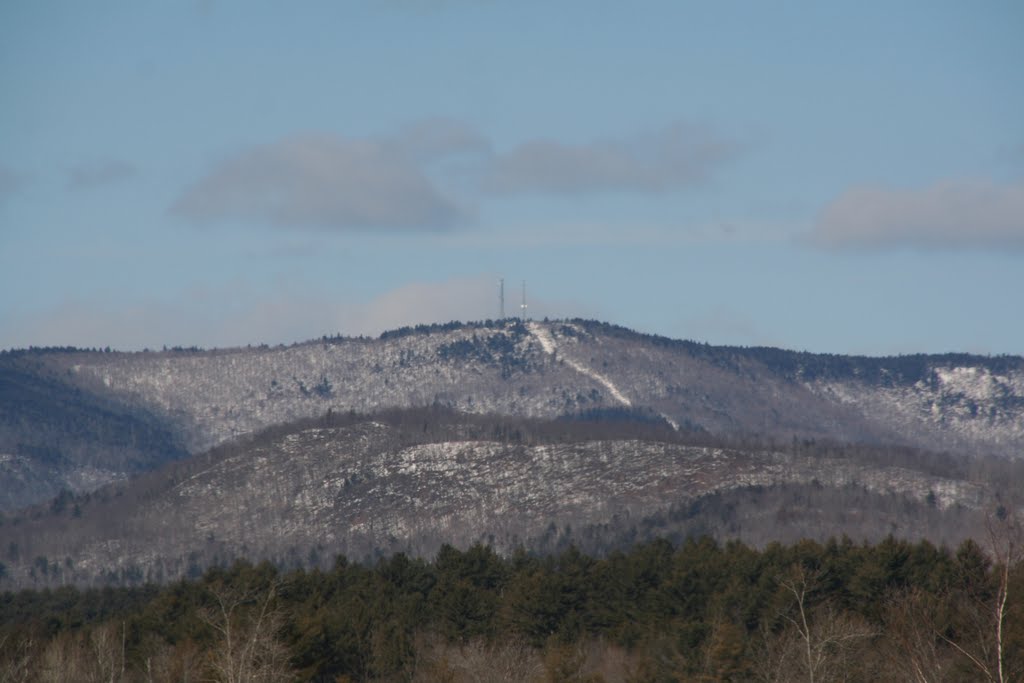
(986, 650)
(166, 663)
(16, 660)
(509, 661)
(247, 650)
(914, 648)
(96, 656)
(819, 642)
(106, 647)
(1006, 540)
(62, 660)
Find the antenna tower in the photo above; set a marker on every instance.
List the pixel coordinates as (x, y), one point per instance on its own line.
(522, 306)
(501, 298)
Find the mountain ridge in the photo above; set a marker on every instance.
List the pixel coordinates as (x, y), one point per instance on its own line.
(971, 405)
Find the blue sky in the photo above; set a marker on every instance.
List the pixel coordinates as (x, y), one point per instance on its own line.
(836, 177)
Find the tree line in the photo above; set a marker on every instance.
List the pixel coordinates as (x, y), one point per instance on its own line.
(699, 611)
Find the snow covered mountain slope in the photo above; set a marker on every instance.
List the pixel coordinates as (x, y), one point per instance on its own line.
(970, 405)
(410, 481)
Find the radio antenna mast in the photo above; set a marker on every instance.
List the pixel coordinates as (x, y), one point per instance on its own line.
(522, 306)
(501, 298)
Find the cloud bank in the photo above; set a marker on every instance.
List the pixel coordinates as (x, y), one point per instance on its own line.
(949, 214)
(438, 138)
(321, 181)
(675, 158)
(394, 182)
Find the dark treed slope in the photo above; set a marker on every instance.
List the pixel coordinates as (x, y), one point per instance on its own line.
(411, 480)
(152, 402)
(57, 436)
(702, 611)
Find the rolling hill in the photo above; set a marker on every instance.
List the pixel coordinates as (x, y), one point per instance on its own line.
(411, 480)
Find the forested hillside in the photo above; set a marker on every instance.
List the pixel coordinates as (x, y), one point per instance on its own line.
(76, 419)
(56, 436)
(410, 481)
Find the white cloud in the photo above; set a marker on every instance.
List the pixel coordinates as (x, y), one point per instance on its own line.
(603, 233)
(949, 214)
(89, 176)
(409, 179)
(322, 181)
(438, 138)
(674, 158)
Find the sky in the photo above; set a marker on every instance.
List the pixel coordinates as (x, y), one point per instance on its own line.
(841, 177)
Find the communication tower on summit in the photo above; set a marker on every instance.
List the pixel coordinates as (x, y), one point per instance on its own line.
(501, 298)
(522, 306)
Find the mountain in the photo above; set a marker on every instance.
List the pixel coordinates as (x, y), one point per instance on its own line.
(74, 420)
(412, 480)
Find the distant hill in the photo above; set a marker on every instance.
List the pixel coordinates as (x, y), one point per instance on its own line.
(72, 419)
(411, 480)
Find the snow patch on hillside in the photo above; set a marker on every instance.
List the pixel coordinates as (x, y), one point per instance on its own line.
(969, 405)
(547, 342)
(974, 383)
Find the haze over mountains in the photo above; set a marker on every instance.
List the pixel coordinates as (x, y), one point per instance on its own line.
(666, 426)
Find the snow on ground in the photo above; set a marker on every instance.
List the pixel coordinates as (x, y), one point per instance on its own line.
(975, 383)
(213, 396)
(547, 342)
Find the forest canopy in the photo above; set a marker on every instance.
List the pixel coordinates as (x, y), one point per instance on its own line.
(700, 611)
